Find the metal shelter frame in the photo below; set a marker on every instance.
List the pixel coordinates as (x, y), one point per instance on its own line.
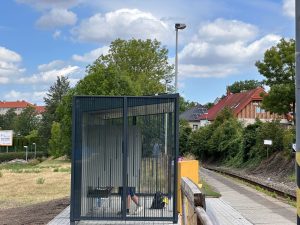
(122, 145)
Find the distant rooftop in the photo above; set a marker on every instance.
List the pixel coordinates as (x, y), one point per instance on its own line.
(21, 104)
(194, 113)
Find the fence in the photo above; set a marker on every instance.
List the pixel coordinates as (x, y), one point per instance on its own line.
(193, 204)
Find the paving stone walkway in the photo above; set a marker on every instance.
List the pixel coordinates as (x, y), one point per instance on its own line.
(257, 207)
(64, 219)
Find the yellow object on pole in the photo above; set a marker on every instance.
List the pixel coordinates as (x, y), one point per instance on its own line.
(189, 169)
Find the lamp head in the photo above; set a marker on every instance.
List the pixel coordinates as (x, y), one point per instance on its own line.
(180, 26)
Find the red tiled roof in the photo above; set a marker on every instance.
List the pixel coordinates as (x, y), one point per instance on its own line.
(40, 109)
(236, 102)
(17, 104)
(21, 104)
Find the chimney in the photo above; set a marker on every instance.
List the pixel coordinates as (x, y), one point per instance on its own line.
(228, 91)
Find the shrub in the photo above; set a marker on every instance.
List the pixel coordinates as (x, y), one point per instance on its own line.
(1, 174)
(40, 180)
(184, 133)
(55, 170)
(7, 156)
(268, 131)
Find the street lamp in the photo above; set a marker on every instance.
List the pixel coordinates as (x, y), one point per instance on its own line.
(26, 148)
(178, 26)
(34, 149)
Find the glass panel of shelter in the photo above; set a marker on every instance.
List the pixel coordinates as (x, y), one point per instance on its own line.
(102, 162)
(149, 151)
(150, 146)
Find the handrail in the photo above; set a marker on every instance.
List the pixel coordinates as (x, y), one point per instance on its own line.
(193, 213)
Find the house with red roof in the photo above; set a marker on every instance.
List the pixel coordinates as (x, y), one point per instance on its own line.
(19, 106)
(246, 106)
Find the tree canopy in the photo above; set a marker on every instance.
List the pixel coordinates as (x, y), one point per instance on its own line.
(278, 68)
(53, 98)
(131, 67)
(245, 85)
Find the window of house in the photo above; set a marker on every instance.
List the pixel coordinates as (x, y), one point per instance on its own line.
(259, 110)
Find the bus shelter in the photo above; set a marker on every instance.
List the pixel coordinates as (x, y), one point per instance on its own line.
(124, 150)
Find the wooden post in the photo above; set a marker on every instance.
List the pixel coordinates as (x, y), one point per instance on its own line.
(196, 204)
(183, 208)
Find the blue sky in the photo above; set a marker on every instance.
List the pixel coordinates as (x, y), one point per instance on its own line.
(42, 39)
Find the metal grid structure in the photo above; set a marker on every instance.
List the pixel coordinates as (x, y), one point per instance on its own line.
(124, 147)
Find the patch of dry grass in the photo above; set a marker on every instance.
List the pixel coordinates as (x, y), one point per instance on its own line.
(20, 189)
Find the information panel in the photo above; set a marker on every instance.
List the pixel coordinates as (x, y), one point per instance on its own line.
(6, 137)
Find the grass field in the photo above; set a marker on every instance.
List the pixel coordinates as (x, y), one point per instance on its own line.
(24, 184)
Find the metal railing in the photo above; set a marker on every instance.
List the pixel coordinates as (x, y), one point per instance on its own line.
(193, 204)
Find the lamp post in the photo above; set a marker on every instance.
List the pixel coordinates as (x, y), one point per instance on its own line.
(178, 26)
(26, 148)
(34, 149)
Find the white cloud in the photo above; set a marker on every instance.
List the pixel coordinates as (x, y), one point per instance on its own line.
(220, 50)
(92, 55)
(202, 71)
(35, 96)
(49, 4)
(49, 76)
(9, 64)
(55, 64)
(56, 18)
(289, 8)
(56, 34)
(122, 23)
(227, 31)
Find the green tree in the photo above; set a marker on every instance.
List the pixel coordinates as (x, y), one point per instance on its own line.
(133, 67)
(268, 131)
(245, 85)
(278, 68)
(53, 98)
(185, 105)
(26, 121)
(199, 142)
(249, 138)
(184, 134)
(221, 140)
(55, 145)
(278, 99)
(209, 105)
(9, 120)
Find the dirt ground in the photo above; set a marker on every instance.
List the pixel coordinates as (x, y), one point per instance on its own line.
(36, 214)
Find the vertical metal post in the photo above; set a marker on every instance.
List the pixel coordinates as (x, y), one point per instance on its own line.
(125, 138)
(297, 59)
(26, 152)
(176, 61)
(176, 140)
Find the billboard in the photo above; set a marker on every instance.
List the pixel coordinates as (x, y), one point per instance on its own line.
(6, 137)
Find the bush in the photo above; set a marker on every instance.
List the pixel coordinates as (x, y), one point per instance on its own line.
(1, 174)
(4, 157)
(40, 180)
(249, 138)
(289, 137)
(184, 133)
(268, 131)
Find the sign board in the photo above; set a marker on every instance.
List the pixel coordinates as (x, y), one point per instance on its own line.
(267, 142)
(6, 137)
(294, 147)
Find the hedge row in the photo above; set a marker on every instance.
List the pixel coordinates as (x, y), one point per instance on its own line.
(19, 155)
